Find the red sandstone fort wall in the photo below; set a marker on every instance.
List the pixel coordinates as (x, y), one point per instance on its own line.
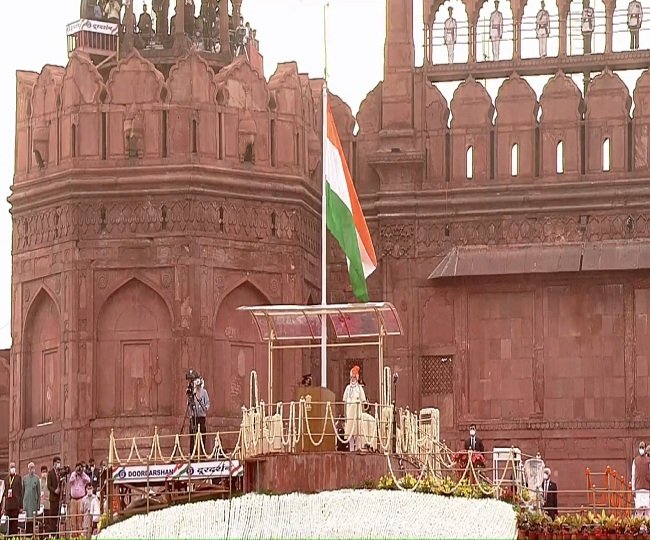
(157, 205)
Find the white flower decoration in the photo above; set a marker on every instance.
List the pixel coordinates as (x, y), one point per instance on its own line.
(333, 514)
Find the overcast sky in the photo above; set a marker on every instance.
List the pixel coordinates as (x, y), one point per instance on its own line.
(287, 30)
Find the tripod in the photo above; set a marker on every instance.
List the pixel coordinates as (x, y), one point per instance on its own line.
(62, 510)
(194, 418)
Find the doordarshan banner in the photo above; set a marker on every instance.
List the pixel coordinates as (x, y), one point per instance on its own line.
(206, 470)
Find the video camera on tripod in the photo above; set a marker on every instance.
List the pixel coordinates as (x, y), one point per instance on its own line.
(191, 376)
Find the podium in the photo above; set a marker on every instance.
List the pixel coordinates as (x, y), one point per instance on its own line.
(316, 399)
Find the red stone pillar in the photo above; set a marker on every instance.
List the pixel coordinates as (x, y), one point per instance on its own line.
(399, 60)
(236, 12)
(224, 36)
(609, 24)
(179, 21)
(129, 23)
(563, 10)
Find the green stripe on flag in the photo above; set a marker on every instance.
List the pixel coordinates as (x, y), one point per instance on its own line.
(341, 224)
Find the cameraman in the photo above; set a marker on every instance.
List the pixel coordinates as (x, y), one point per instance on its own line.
(202, 406)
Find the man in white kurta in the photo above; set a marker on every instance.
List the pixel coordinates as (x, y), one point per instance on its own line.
(354, 397)
(496, 30)
(450, 35)
(634, 19)
(641, 481)
(587, 26)
(542, 29)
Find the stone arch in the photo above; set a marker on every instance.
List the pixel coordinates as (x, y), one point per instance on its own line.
(575, 39)
(45, 143)
(134, 81)
(484, 49)
(134, 352)
(42, 361)
(607, 116)
(192, 92)
(242, 86)
(238, 350)
(516, 121)
(437, 16)
(472, 112)
(191, 81)
(562, 108)
(531, 47)
(287, 88)
(82, 83)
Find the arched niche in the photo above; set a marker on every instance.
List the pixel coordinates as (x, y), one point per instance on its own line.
(80, 98)
(516, 120)
(191, 118)
(25, 82)
(439, 53)
(575, 37)
(41, 377)
(237, 351)
(531, 46)
(134, 373)
(607, 116)
(641, 143)
(485, 49)
(562, 108)
(471, 121)
(45, 117)
(82, 83)
(191, 81)
(287, 88)
(134, 81)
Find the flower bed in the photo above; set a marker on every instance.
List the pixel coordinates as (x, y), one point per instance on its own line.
(333, 514)
(536, 525)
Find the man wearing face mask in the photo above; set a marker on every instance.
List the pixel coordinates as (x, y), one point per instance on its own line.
(641, 481)
(45, 496)
(12, 500)
(354, 397)
(31, 497)
(549, 494)
(473, 442)
(78, 482)
(54, 489)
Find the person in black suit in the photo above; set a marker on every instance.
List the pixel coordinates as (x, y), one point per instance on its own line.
(549, 493)
(54, 487)
(12, 499)
(474, 442)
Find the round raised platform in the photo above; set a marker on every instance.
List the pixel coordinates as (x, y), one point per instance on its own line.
(313, 472)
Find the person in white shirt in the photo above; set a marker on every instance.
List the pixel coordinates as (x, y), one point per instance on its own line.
(587, 26)
(91, 511)
(112, 11)
(450, 35)
(496, 30)
(634, 20)
(542, 29)
(354, 397)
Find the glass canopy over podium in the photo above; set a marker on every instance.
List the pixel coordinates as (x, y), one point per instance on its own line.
(354, 325)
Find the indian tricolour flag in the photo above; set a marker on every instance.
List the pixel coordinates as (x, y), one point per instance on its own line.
(344, 216)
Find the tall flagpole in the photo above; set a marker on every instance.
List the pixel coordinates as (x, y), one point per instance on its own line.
(323, 241)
